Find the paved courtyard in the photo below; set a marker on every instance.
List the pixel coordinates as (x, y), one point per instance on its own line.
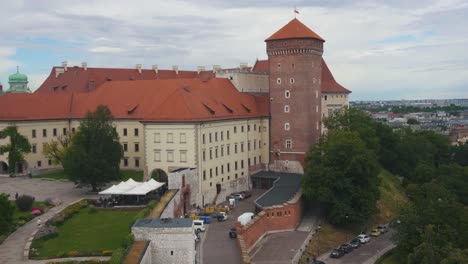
(11, 250)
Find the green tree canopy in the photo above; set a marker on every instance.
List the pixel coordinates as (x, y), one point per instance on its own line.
(56, 150)
(341, 173)
(6, 213)
(18, 145)
(93, 157)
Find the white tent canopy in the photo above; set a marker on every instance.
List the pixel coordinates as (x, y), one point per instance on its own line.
(131, 187)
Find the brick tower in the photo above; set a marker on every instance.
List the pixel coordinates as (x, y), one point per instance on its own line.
(295, 62)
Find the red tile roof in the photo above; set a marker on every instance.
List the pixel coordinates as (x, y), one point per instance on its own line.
(294, 29)
(27, 106)
(175, 100)
(261, 66)
(77, 79)
(329, 84)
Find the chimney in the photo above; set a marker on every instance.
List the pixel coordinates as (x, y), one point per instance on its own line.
(65, 65)
(84, 65)
(1, 88)
(58, 71)
(155, 68)
(176, 69)
(216, 68)
(138, 67)
(200, 69)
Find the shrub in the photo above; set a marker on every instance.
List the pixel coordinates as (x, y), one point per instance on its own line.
(106, 252)
(117, 256)
(142, 214)
(73, 253)
(25, 202)
(6, 213)
(128, 241)
(152, 204)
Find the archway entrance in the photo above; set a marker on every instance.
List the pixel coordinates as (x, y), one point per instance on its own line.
(160, 176)
(3, 167)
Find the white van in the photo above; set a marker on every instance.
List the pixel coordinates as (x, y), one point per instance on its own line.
(198, 225)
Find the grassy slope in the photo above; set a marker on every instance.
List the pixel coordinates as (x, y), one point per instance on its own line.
(91, 233)
(391, 197)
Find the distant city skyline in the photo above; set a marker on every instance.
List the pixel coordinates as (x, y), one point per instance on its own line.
(381, 51)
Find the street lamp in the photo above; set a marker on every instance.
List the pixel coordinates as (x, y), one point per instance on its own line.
(347, 230)
(318, 241)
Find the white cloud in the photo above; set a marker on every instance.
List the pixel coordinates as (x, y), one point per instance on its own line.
(378, 50)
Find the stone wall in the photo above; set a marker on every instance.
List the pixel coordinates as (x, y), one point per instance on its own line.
(169, 245)
(272, 219)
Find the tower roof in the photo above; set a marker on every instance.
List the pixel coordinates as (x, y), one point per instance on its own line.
(17, 77)
(294, 29)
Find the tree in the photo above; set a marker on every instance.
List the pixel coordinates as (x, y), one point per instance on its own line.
(6, 213)
(341, 173)
(56, 150)
(412, 121)
(18, 145)
(460, 154)
(93, 157)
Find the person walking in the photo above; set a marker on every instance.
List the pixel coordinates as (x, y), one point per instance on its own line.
(39, 222)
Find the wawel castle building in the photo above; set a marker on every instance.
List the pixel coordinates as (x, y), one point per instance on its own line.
(223, 124)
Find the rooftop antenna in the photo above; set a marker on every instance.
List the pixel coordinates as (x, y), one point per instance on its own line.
(17, 69)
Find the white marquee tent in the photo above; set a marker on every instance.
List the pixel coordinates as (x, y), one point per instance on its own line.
(131, 187)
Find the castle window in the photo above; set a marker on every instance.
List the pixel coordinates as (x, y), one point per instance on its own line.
(286, 108)
(203, 138)
(291, 80)
(137, 162)
(204, 155)
(286, 126)
(170, 138)
(125, 132)
(288, 144)
(157, 137)
(44, 132)
(125, 160)
(125, 147)
(34, 133)
(278, 81)
(204, 175)
(157, 155)
(136, 132)
(287, 94)
(54, 132)
(34, 148)
(170, 155)
(279, 65)
(325, 97)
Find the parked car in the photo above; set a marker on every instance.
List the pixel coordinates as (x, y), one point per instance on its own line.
(246, 194)
(222, 216)
(238, 196)
(337, 253)
(363, 238)
(395, 222)
(199, 225)
(355, 242)
(233, 233)
(375, 232)
(382, 229)
(346, 248)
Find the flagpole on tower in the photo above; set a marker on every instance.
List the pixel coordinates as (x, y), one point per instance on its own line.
(295, 11)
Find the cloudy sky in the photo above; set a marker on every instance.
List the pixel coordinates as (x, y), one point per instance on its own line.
(381, 49)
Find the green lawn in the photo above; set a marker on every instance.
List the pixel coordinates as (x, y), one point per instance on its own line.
(124, 175)
(56, 175)
(87, 233)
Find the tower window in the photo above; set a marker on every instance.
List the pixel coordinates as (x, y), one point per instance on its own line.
(278, 81)
(286, 108)
(292, 65)
(286, 126)
(288, 144)
(291, 80)
(279, 65)
(325, 97)
(287, 94)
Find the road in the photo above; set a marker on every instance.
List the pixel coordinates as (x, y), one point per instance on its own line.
(366, 254)
(216, 245)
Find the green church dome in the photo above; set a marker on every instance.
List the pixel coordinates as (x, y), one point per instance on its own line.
(18, 77)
